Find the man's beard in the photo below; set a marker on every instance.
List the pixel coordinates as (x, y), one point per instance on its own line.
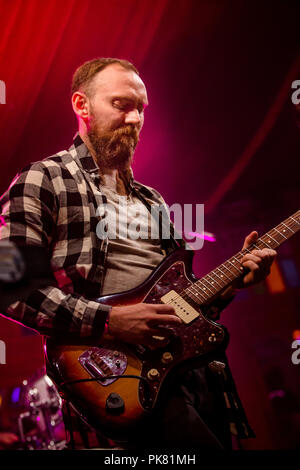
(114, 149)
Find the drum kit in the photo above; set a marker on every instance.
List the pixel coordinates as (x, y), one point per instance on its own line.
(40, 420)
(40, 424)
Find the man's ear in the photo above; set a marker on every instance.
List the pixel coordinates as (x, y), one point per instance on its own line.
(80, 105)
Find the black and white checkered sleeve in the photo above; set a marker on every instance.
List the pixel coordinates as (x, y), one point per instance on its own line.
(29, 209)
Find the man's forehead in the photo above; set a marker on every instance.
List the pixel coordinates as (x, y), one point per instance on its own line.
(115, 77)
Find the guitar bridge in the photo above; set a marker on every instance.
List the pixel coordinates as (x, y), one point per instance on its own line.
(103, 363)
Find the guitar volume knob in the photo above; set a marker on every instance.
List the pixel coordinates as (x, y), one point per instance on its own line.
(166, 358)
(153, 374)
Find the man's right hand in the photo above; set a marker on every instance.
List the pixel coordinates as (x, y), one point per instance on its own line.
(138, 323)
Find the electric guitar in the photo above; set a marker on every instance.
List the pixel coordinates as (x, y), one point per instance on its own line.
(114, 386)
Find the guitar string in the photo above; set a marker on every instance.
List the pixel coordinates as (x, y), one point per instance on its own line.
(235, 257)
(193, 289)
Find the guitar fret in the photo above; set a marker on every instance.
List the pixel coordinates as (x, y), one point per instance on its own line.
(214, 280)
(199, 289)
(280, 233)
(203, 279)
(206, 288)
(190, 297)
(218, 278)
(275, 241)
(291, 223)
(223, 274)
(203, 294)
(298, 223)
(229, 271)
(261, 240)
(239, 269)
(274, 235)
(255, 246)
(197, 292)
(247, 250)
(287, 227)
(191, 301)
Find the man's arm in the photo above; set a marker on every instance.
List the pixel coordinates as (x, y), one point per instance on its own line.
(29, 215)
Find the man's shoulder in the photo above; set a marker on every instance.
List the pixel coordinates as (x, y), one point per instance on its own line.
(53, 164)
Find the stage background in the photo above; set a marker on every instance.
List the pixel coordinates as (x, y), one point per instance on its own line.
(221, 129)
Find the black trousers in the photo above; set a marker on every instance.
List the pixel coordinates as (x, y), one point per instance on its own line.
(192, 415)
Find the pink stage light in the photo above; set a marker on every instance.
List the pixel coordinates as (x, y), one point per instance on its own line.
(2, 221)
(296, 334)
(205, 235)
(276, 394)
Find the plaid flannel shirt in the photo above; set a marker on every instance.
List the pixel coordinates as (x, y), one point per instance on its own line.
(53, 203)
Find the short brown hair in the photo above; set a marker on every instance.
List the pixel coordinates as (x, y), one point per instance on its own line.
(85, 73)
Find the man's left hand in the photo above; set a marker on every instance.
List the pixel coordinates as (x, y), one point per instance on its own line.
(258, 262)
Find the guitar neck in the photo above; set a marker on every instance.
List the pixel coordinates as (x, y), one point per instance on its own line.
(206, 289)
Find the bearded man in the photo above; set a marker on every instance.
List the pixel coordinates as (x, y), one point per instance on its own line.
(57, 203)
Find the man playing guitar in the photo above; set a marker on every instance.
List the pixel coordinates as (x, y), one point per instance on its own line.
(57, 202)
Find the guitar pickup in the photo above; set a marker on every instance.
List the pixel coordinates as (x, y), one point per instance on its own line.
(182, 308)
(103, 363)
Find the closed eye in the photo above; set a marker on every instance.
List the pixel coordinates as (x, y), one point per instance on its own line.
(127, 106)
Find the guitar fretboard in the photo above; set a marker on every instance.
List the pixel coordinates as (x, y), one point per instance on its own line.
(210, 286)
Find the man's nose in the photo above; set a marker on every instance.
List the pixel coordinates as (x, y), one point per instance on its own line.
(133, 117)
